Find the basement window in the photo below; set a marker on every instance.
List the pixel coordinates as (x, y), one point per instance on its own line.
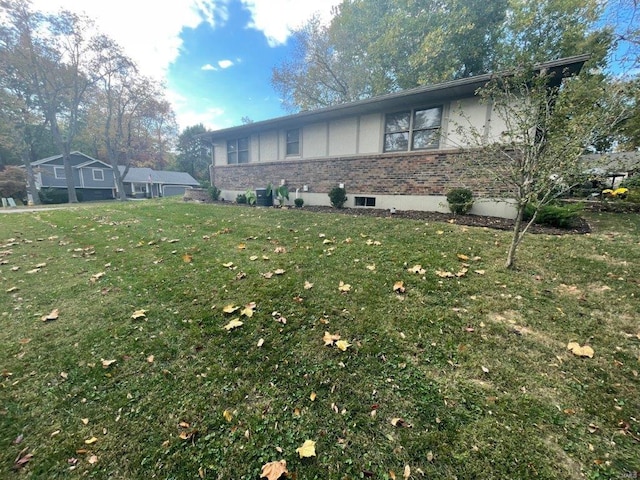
(365, 201)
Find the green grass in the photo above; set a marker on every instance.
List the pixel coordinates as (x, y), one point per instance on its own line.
(477, 365)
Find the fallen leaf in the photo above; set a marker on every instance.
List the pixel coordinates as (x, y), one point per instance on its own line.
(107, 363)
(139, 314)
(93, 459)
(22, 459)
(230, 308)
(578, 351)
(400, 422)
(279, 250)
(228, 264)
(84, 421)
(407, 472)
(274, 470)
(371, 267)
(248, 309)
(430, 456)
(417, 269)
(241, 246)
(52, 316)
(479, 272)
(187, 258)
(97, 276)
(91, 441)
(228, 416)
(444, 274)
(308, 449)
(253, 258)
(150, 358)
(278, 271)
(344, 287)
(235, 323)
(329, 338)
(260, 342)
(12, 289)
(342, 345)
(308, 285)
(399, 287)
(484, 369)
(462, 256)
(313, 396)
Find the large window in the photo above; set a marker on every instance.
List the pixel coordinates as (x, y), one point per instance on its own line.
(293, 142)
(417, 129)
(238, 151)
(98, 175)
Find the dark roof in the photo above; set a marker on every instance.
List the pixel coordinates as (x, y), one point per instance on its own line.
(90, 160)
(148, 175)
(461, 88)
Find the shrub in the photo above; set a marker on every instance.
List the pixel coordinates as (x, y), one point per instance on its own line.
(57, 195)
(214, 193)
(460, 200)
(251, 197)
(299, 202)
(555, 214)
(338, 197)
(241, 198)
(632, 183)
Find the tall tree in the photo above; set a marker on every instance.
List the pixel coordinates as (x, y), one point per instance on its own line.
(52, 55)
(194, 153)
(373, 47)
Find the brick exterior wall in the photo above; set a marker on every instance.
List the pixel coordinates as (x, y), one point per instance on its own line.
(413, 173)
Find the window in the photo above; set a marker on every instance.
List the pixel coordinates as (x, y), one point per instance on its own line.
(418, 129)
(365, 201)
(98, 174)
(138, 188)
(58, 172)
(293, 142)
(238, 151)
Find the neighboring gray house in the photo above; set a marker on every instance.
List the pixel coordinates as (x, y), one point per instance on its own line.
(94, 178)
(148, 183)
(398, 150)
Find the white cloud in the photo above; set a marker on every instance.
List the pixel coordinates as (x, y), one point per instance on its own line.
(208, 66)
(276, 18)
(225, 64)
(147, 30)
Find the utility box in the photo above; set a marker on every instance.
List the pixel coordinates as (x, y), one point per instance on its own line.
(262, 199)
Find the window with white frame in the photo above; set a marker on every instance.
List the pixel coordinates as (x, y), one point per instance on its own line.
(416, 129)
(138, 188)
(58, 172)
(238, 151)
(293, 141)
(98, 174)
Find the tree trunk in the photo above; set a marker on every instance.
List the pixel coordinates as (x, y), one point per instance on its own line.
(515, 239)
(31, 178)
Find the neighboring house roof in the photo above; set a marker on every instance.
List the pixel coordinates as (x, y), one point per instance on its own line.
(147, 175)
(89, 161)
(619, 162)
(461, 88)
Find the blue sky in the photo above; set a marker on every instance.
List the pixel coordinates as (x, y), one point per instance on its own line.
(214, 56)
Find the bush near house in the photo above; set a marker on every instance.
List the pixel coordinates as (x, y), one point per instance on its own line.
(57, 195)
(555, 214)
(338, 197)
(460, 200)
(13, 182)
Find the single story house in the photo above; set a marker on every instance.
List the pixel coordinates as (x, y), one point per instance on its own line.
(95, 179)
(148, 183)
(391, 151)
(91, 176)
(612, 168)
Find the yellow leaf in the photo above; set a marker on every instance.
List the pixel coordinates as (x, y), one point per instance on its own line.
(344, 287)
(187, 258)
(52, 316)
(230, 308)
(342, 345)
(91, 440)
(228, 264)
(407, 472)
(578, 351)
(308, 449)
(308, 285)
(139, 314)
(248, 309)
(480, 272)
(444, 274)
(260, 342)
(326, 241)
(417, 269)
(12, 289)
(329, 338)
(235, 323)
(253, 258)
(400, 422)
(274, 470)
(228, 416)
(107, 363)
(241, 246)
(462, 256)
(399, 287)
(279, 250)
(278, 271)
(392, 475)
(313, 396)
(150, 358)
(371, 267)
(84, 421)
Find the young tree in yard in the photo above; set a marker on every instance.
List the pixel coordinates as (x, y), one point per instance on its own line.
(548, 125)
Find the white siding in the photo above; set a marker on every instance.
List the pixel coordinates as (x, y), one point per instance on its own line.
(468, 114)
(370, 136)
(314, 140)
(343, 136)
(269, 146)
